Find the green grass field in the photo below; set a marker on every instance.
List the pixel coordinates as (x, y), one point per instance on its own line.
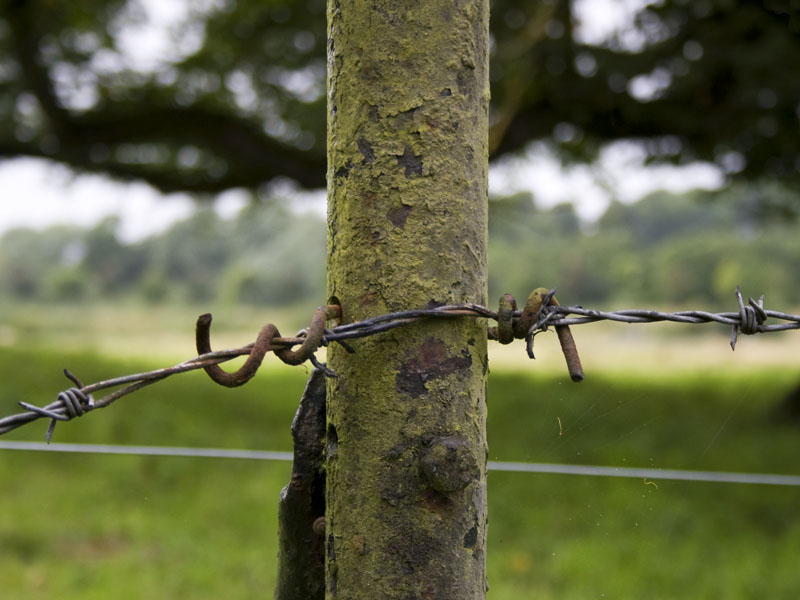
(87, 527)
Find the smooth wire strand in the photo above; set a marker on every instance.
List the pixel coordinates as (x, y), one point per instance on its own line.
(513, 467)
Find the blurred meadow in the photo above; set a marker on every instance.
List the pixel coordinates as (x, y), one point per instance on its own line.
(596, 106)
(79, 526)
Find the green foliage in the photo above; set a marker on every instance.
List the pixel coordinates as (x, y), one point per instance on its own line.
(239, 99)
(135, 527)
(114, 265)
(154, 286)
(68, 284)
(281, 258)
(27, 258)
(254, 259)
(666, 249)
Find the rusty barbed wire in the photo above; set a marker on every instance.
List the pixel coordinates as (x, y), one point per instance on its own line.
(541, 311)
(748, 320)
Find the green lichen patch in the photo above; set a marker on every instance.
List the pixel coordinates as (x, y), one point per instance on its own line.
(407, 212)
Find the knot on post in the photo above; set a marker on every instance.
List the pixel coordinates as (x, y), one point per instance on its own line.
(449, 464)
(751, 317)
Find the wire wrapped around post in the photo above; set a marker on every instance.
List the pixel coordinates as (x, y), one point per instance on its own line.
(311, 340)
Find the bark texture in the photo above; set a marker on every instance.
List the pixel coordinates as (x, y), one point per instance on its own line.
(301, 555)
(407, 212)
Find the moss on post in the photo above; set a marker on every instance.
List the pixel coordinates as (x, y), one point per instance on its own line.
(407, 214)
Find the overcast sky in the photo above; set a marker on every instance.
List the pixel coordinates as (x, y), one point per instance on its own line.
(37, 194)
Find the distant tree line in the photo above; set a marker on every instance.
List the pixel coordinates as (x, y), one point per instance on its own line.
(239, 100)
(663, 250)
(266, 255)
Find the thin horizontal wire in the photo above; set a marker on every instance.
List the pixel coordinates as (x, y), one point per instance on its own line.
(147, 450)
(517, 467)
(635, 473)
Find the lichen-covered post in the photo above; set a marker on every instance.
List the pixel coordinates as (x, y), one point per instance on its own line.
(407, 214)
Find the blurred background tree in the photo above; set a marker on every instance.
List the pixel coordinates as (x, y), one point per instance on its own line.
(666, 249)
(239, 100)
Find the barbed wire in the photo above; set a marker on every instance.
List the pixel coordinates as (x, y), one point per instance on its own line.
(541, 311)
(748, 320)
(646, 473)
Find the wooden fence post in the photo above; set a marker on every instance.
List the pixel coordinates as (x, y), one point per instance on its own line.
(406, 451)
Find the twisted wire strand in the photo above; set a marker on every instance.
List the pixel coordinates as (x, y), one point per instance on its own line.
(749, 320)
(541, 311)
(556, 316)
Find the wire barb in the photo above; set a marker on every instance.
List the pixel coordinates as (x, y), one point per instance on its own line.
(751, 317)
(541, 311)
(74, 402)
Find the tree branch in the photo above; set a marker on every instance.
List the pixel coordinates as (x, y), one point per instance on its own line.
(251, 157)
(25, 42)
